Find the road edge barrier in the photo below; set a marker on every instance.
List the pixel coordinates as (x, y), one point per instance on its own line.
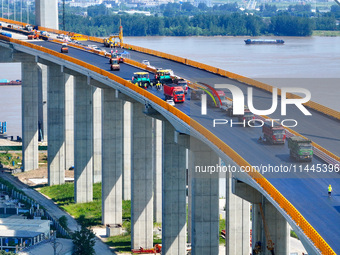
(295, 215)
(248, 81)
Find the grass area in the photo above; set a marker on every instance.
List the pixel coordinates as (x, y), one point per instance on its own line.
(293, 234)
(326, 33)
(63, 195)
(7, 159)
(221, 226)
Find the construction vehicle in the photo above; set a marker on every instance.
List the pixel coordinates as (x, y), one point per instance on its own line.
(64, 48)
(274, 133)
(247, 116)
(164, 76)
(182, 82)
(175, 92)
(301, 149)
(111, 41)
(115, 66)
(78, 37)
(142, 79)
(33, 35)
(141, 250)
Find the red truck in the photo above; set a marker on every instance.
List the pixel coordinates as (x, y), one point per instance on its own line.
(274, 133)
(175, 92)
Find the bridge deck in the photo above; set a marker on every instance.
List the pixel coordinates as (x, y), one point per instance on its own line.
(306, 191)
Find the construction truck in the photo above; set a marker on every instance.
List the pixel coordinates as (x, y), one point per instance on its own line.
(247, 116)
(142, 79)
(175, 92)
(274, 133)
(182, 82)
(301, 149)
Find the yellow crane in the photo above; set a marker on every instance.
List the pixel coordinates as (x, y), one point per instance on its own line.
(111, 41)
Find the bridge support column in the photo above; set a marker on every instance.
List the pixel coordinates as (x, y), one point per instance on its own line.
(112, 145)
(127, 152)
(278, 228)
(6, 55)
(141, 179)
(204, 204)
(46, 13)
(69, 120)
(83, 141)
(174, 192)
(56, 125)
(97, 135)
(29, 70)
(237, 222)
(42, 108)
(157, 160)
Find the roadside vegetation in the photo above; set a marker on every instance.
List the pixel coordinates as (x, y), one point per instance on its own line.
(10, 160)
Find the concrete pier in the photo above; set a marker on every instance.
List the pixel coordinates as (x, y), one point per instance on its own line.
(277, 226)
(237, 222)
(112, 147)
(42, 106)
(157, 170)
(46, 13)
(204, 204)
(127, 151)
(97, 135)
(29, 97)
(83, 140)
(56, 125)
(69, 121)
(174, 192)
(141, 180)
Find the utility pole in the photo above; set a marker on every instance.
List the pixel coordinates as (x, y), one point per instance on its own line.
(14, 10)
(64, 15)
(28, 12)
(8, 10)
(21, 11)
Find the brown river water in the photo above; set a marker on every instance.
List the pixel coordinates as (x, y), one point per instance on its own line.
(312, 63)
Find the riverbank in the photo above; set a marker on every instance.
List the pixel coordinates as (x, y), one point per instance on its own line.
(326, 33)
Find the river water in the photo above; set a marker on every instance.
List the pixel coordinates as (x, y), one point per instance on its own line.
(309, 62)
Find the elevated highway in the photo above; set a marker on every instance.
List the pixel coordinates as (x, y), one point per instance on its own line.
(306, 191)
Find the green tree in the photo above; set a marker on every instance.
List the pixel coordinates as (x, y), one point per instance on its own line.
(6, 253)
(84, 239)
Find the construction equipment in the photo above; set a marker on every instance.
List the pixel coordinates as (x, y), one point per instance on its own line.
(274, 133)
(270, 244)
(141, 250)
(64, 48)
(300, 148)
(111, 41)
(141, 79)
(175, 92)
(115, 66)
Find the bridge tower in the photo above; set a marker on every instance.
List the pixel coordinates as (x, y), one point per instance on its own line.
(47, 13)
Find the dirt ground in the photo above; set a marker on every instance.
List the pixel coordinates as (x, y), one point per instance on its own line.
(40, 173)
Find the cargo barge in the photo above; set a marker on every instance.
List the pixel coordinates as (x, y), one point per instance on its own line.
(264, 41)
(10, 83)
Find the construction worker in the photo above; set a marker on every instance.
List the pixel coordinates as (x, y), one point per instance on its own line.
(330, 189)
(158, 85)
